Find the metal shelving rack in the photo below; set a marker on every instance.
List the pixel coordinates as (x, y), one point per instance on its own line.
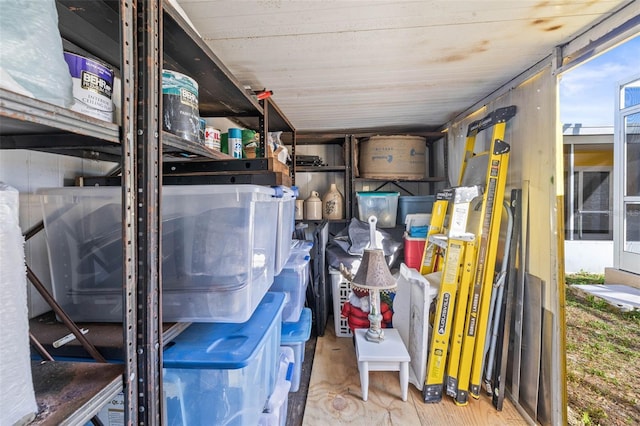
(138, 39)
(71, 392)
(340, 139)
(431, 137)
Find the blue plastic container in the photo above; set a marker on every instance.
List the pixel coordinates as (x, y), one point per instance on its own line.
(223, 373)
(292, 282)
(295, 335)
(414, 204)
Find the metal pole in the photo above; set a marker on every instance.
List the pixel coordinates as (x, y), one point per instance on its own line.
(147, 197)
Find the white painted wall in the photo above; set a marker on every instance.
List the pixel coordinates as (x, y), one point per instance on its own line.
(587, 256)
(29, 171)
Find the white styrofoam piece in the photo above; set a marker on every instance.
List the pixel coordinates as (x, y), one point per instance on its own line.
(18, 403)
(621, 296)
(416, 219)
(411, 319)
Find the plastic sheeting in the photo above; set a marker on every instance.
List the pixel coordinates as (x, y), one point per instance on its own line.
(18, 403)
(347, 247)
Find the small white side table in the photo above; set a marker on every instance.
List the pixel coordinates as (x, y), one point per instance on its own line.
(388, 355)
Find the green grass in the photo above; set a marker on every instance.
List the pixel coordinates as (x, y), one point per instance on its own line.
(584, 277)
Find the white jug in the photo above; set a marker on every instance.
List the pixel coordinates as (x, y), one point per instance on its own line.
(313, 207)
(299, 211)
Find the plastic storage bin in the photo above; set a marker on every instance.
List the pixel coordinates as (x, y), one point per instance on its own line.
(340, 288)
(275, 412)
(218, 244)
(301, 246)
(294, 335)
(383, 205)
(286, 225)
(414, 204)
(293, 281)
(221, 373)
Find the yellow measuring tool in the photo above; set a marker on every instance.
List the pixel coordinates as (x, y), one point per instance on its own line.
(488, 235)
(432, 390)
(454, 244)
(461, 313)
(457, 332)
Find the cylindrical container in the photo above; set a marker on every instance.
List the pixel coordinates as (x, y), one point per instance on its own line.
(92, 87)
(235, 142)
(333, 204)
(202, 130)
(299, 212)
(180, 105)
(212, 138)
(393, 157)
(313, 207)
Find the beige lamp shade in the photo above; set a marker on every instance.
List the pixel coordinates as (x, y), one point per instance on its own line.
(373, 273)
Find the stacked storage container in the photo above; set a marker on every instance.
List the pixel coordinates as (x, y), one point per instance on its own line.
(293, 281)
(286, 225)
(275, 412)
(296, 319)
(224, 373)
(295, 335)
(218, 242)
(222, 245)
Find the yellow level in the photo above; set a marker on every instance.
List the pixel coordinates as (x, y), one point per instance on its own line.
(432, 391)
(466, 280)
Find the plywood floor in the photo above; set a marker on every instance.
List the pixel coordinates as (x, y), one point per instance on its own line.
(334, 396)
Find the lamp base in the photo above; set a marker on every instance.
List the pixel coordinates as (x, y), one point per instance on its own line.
(375, 336)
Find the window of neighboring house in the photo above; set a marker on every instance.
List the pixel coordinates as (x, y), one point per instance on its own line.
(592, 195)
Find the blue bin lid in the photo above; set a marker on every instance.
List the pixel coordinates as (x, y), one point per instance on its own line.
(297, 332)
(225, 346)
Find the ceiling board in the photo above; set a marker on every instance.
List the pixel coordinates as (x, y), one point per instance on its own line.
(336, 65)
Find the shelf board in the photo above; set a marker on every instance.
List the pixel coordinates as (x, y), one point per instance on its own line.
(94, 29)
(107, 337)
(320, 220)
(219, 93)
(71, 393)
(320, 138)
(316, 169)
(278, 122)
(172, 144)
(24, 120)
(428, 179)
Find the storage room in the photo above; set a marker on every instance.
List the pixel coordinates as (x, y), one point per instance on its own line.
(218, 212)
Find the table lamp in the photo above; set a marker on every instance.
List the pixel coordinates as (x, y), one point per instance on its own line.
(373, 276)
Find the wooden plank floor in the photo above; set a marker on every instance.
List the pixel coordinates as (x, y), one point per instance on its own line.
(334, 396)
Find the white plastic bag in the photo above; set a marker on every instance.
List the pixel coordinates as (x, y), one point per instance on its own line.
(31, 51)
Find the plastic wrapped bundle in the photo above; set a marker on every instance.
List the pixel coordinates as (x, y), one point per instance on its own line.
(18, 404)
(31, 58)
